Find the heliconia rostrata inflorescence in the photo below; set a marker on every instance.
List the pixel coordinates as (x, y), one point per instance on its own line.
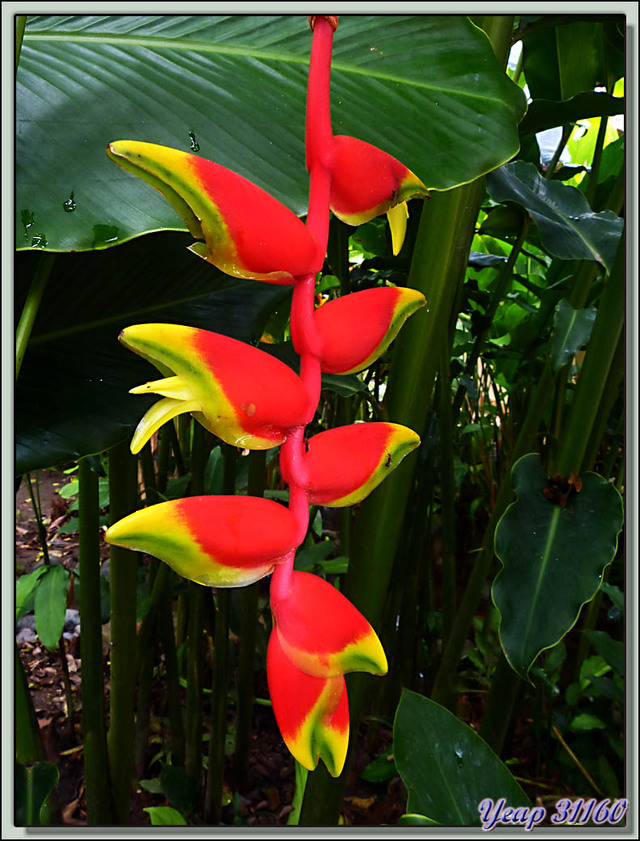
(252, 400)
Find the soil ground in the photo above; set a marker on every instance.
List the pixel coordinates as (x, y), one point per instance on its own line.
(266, 796)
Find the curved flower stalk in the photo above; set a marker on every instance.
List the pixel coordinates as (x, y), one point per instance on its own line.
(218, 541)
(246, 232)
(243, 395)
(250, 399)
(357, 329)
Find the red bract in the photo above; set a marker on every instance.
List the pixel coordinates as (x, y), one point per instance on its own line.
(327, 641)
(243, 395)
(345, 464)
(219, 541)
(247, 233)
(367, 182)
(312, 713)
(356, 329)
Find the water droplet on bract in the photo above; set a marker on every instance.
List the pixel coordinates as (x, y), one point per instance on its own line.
(195, 146)
(69, 205)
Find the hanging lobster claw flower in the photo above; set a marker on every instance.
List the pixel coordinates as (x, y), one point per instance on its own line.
(312, 713)
(322, 633)
(246, 232)
(243, 395)
(356, 329)
(218, 541)
(366, 182)
(345, 464)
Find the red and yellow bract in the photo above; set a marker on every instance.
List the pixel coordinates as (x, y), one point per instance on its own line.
(243, 395)
(356, 329)
(247, 232)
(312, 713)
(366, 182)
(345, 464)
(218, 541)
(322, 633)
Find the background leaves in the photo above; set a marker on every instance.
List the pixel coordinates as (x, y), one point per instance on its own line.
(553, 557)
(447, 768)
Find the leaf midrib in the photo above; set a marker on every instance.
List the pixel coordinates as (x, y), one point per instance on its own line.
(246, 52)
(546, 555)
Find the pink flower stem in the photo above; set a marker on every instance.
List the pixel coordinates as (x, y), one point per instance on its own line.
(305, 337)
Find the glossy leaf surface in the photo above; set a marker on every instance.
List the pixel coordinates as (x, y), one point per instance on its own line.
(218, 541)
(568, 226)
(446, 767)
(356, 329)
(553, 557)
(232, 88)
(72, 394)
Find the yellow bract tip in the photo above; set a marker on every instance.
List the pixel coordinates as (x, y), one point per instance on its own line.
(397, 217)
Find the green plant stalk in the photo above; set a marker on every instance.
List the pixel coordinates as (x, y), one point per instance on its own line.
(501, 285)
(94, 733)
(447, 489)
(438, 266)
(29, 747)
(248, 597)
(607, 402)
(444, 683)
(592, 183)
(502, 701)
(594, 373)
(167, 640)
(195, 637)
(123, 486)
(37, 512)
(218, 729)
(31, 306)
(219, 677)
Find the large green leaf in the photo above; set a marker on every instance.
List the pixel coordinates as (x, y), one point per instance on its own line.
(571, 331)
(427, 89)
(448, 770)
(553, 556)
(567, 225)
(72, 395)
